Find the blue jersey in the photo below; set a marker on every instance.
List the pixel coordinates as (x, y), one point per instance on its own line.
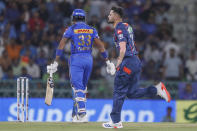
(124, 32)
(81, 36)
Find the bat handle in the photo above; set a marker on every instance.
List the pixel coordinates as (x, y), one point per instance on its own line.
(51, 75)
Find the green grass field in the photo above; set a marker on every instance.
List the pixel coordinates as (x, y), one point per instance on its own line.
(93, 126)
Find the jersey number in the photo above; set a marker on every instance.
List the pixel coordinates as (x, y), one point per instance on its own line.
(84, 40)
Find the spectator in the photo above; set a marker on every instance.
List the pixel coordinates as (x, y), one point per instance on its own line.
(94, 22)
(28, 47)
(26, 12)
(150, 27)
(2, 47)
(188, 93)
(1, 73)
(17, 66)
(66, 8)
(24, 73)
(25, 58)
(13, 49)
(33, 69)
(171, 45)
(191, 66)
(10, 29)
(21, 24)
(3, 23)
(165, 26)
(43, 47)
(9, 75)
(107, 36)
(2, 7)
(152, 52)
(44, 14)
(168, 117)
(21, 39)
(35, 20)
(140, 35)
(41, 61)
(56, 17)
(172, 67)
(12, 12)
(5, 61)
(150, 74)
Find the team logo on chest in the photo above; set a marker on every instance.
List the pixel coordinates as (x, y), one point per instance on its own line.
(119, 31)
(120, 35)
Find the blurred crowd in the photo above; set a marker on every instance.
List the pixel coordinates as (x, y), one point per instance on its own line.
(30, 31)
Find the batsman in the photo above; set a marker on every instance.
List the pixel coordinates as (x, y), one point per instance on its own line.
(82, 37)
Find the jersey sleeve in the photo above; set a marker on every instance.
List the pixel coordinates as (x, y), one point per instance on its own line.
(67, 33)
(121, 33)
(95, 34)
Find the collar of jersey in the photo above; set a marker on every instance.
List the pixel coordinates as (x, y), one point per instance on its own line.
(80, 22)
(118, 24)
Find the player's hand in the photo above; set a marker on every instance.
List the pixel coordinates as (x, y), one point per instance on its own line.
(110, 68)
(52, 68)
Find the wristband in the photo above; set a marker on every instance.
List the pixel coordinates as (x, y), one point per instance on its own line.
(59, 52)
(104, 55)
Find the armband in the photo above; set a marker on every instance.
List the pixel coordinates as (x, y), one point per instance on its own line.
(104, 55)
(59, 52)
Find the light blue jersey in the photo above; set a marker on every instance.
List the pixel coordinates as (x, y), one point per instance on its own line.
(82, 37)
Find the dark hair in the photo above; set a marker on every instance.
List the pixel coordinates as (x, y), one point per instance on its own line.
(118, 10)
(78, 18)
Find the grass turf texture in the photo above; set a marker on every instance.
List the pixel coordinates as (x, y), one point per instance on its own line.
(94, 126)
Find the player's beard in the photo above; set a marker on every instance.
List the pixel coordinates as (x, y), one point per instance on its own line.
(110, 22)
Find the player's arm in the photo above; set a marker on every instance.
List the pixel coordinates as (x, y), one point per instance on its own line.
(59, 51)
(52, 68)
(110, 66)
(122, 53)
(122, 41)
(60, 48)
(100, 45)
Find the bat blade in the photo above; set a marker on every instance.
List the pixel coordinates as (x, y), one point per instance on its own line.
(49, 91)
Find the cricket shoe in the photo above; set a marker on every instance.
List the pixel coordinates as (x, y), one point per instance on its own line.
(80, 118)
(163, 92)
(110, 124)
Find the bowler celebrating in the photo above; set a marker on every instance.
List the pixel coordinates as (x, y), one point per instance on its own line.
(128, 70)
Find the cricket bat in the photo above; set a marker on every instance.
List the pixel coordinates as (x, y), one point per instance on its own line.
(49, 90)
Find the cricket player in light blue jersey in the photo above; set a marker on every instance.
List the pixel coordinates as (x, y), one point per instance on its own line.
(82, 37)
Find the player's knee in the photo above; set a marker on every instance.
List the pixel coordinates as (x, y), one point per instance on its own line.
(80, 96)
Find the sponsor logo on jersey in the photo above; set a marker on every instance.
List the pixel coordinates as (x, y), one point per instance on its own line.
(120, 36)
(119, 31)
(89, 31)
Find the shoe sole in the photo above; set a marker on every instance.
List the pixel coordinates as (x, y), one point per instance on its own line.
(107, 126)
(164, 88)
(111, 126)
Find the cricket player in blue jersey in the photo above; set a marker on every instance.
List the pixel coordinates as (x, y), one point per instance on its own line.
(82, 37)
(128, 70)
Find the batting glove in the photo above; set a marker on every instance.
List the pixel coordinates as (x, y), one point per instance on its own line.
(111, 69)
(52, 68)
